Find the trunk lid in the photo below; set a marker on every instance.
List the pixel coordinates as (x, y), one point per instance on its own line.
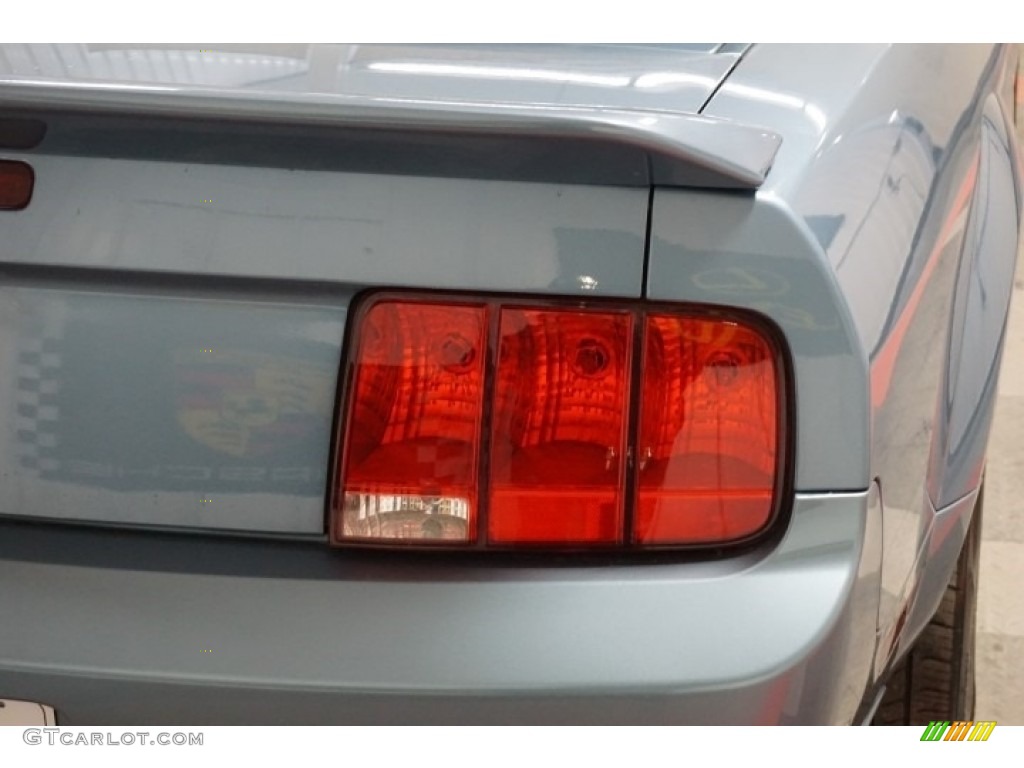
(677, 78)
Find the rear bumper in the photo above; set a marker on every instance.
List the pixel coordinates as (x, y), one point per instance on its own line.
(124, 628)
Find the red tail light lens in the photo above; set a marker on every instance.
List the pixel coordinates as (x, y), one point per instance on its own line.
(559, 429)
(16, 182)
(496, 424)
(708, 436)
(411, 447)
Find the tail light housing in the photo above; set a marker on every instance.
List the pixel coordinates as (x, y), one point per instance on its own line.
(493, 423)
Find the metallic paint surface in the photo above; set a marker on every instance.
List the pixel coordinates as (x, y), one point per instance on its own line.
(900, 170)
(427, 640)
(880, 244)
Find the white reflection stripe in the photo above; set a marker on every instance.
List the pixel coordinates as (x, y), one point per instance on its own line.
(512, 73)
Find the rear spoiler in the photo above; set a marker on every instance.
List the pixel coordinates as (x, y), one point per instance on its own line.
(567, 144)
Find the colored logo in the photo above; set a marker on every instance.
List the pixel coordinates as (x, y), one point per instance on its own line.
(961, 730)
(247, 405)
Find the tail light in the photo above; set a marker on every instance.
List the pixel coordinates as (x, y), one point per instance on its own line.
(558, 433)
(412, 448)
(504, 424)
(16, 182)
(708, 433)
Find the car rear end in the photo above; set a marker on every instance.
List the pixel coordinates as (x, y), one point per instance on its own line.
(415, 403)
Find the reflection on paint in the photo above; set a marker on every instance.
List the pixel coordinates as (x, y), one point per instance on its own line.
(244, 404)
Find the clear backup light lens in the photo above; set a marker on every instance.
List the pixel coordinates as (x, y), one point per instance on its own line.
(559, 427)
(708, 437)
(410, 455)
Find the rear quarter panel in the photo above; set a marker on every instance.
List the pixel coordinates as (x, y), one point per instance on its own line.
(898, 162)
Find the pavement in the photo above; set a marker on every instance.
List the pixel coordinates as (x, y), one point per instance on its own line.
(1000, 640)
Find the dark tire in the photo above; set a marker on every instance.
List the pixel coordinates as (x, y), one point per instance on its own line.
(935, 680)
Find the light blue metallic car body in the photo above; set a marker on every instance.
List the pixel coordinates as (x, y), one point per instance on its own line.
(866, 199)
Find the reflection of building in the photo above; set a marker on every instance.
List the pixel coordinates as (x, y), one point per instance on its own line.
(406, 516)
